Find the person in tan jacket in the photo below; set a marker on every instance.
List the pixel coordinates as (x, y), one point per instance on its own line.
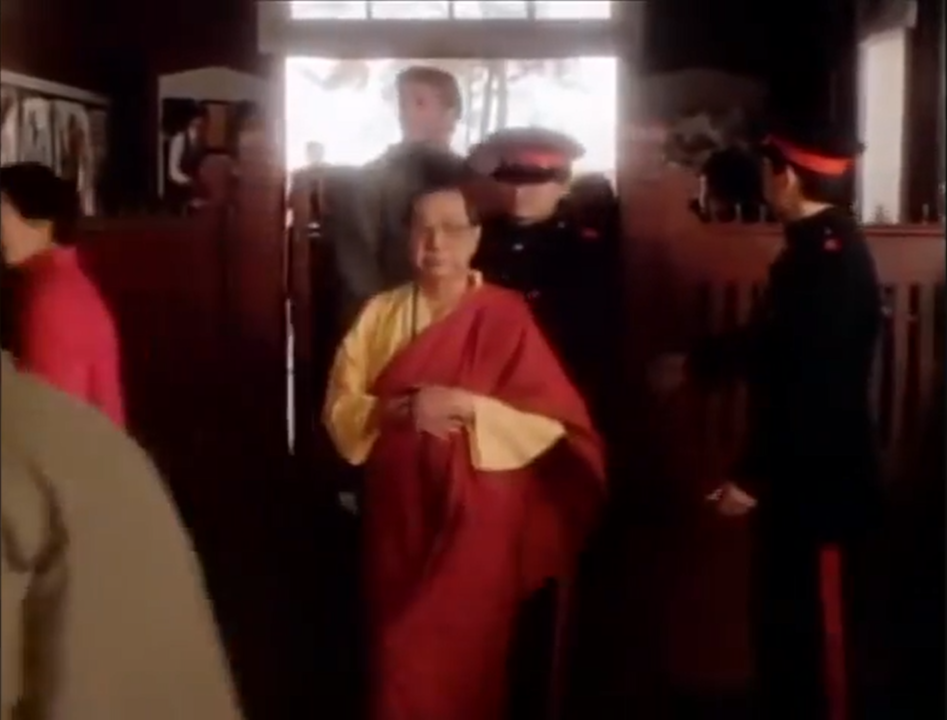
(105, 615)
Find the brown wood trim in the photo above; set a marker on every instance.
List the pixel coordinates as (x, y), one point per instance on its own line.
(896, 232)
(908, 230)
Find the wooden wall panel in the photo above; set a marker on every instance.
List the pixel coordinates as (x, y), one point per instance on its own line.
(58, 40)
(200, 307)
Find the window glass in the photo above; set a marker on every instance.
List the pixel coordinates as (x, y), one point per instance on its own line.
(573, 9)
(882, 101)
(407, 10)
(441, 9)
(329, 10)
(490, 9)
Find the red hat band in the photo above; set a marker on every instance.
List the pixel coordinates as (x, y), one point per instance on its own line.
(820, 164)
(542, 160)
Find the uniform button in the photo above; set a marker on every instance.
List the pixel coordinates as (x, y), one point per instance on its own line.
(518, 247)
(532, 296)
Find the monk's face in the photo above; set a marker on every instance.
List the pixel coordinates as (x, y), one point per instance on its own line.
(443, 238)
(534, 202)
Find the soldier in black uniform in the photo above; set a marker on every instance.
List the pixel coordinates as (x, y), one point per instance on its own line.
(809, 472)
(566, 269)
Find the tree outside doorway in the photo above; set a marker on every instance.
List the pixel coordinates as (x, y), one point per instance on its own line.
(349, 106)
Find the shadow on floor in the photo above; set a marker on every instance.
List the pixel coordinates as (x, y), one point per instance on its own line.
(685, 706)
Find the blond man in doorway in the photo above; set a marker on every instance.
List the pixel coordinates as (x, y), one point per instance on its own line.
(369, 218)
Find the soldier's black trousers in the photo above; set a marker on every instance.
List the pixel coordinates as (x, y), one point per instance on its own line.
(787, 626)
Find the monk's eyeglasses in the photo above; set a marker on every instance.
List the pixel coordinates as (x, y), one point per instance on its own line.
(450, 232)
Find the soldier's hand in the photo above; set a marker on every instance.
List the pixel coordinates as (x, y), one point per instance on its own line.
(730, 501)
(668, 373)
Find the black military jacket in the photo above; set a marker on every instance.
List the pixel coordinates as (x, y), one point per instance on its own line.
(807, 356)
(569, 275)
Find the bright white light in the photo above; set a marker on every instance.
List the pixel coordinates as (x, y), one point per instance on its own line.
(329, 10)
(574, 9)
(882, 96)
(439, 9)
(352, 114)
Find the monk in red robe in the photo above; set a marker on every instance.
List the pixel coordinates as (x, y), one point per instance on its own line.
(483, 471)
(63, 330)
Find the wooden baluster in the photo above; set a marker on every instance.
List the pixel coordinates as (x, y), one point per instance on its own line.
(926, 322)
(878, 371)
(932, 339)
(901, 321)
(715, 403)
(746, 301)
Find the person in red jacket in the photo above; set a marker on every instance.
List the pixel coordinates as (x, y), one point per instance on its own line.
(63, 331)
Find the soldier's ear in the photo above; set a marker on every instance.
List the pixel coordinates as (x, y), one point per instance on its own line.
(790, 179)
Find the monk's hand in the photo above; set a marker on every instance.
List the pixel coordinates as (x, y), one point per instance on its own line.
(731, 501)
(668, 373)
(441, 411)
(396, 409)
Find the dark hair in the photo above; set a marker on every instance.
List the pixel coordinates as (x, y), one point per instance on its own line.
(441, 81)
(446, 174)
(833, 190)
(592, 200)
(37, 193)
(594, 188)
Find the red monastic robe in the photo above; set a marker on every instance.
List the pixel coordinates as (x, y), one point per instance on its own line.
(65, 332)
(451, 551)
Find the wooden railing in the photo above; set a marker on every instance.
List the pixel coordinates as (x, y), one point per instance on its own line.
(910, 265)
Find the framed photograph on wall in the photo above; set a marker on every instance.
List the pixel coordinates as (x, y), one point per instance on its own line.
(75, 162)
(52, 124)
(98, 134)
(37, 140)
(9, 124)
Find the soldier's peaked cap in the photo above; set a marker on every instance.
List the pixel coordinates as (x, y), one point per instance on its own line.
(528, 154)
(814, 144)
